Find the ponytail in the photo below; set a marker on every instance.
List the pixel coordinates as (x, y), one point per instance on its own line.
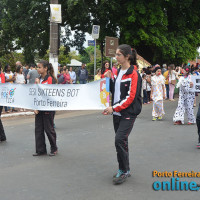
(50, 70)
(127, 51)
(133, 57)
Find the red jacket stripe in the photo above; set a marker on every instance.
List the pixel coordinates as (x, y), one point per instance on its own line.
(125, 103)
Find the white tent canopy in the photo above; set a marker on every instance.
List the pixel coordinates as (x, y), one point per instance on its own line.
(74, 63)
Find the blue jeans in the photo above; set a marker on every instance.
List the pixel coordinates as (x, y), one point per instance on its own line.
(167, 90)
(82, 81)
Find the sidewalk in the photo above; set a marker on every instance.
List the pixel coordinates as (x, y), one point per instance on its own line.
(15, 114)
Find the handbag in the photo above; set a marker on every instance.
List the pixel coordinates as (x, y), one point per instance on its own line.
(173, 82)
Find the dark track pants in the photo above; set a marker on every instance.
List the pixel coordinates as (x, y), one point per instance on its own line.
(2, 133)
(123, 127)
(44, 122)
(198, 123)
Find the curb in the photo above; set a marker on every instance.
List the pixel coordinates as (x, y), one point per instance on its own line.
(17, 114)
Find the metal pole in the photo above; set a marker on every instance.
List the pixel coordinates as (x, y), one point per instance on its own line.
(95, 57)
(53, 55)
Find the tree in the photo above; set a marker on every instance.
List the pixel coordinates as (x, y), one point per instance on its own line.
(89, 12)
(25, 26)
(162, 31)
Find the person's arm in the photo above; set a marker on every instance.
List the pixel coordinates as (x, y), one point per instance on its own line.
(86, 74)
(28, 75)
(74, 76)
(24, 79)
(151, 95)
(37, 80)
(10, 79)
(163, 87)
(79, 71)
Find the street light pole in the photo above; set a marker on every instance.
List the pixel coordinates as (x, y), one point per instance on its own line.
(95, 57)
(53, 55)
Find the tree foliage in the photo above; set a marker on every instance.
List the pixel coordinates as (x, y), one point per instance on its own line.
(160, 30)
(25, 26)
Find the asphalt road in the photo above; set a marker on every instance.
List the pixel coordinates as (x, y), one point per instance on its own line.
(86, 161)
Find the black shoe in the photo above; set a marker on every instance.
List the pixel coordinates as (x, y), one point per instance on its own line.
(53, 153)
(39, 154)
(120, 177)
(2, 140)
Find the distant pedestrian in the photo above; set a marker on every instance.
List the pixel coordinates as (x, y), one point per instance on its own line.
(158, 94)
(19, 76)
(186, 99)
(83, 74)
(32, 74)
(144, 88)
(98, 75)
(67, 77)
(9, 78)
(105, 68)
(114, 69)
(72, 75)
(25, 72)
(172, 81)
(2, 132)
(166, 75)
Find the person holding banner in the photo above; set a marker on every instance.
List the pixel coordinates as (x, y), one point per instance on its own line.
(126, 105)
(44, 120)
(186, 99)
(2, 133)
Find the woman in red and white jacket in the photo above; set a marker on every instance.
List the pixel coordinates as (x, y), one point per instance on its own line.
(44, 120)
(126, 105)
(2, 133)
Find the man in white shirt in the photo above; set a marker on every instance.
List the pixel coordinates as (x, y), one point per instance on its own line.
(72, 75)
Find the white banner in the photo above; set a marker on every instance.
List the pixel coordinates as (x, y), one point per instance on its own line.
(91, 96)
(56, 13)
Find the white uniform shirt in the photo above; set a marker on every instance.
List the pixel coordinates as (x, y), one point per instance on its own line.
(117, 88)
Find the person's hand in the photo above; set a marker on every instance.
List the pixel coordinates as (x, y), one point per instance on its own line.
(108, 110)
(37, 80)
(108, 74)
(163, 96)
(36, 112)
(191, 84)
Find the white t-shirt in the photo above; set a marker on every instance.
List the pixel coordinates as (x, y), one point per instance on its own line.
(117, 88)
(20, 79)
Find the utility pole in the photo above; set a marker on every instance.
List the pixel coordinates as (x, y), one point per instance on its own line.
(54, 36)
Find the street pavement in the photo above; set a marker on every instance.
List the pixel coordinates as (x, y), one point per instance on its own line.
(86, 161)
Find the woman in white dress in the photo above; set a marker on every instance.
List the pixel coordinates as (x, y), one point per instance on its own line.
(158, 94)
